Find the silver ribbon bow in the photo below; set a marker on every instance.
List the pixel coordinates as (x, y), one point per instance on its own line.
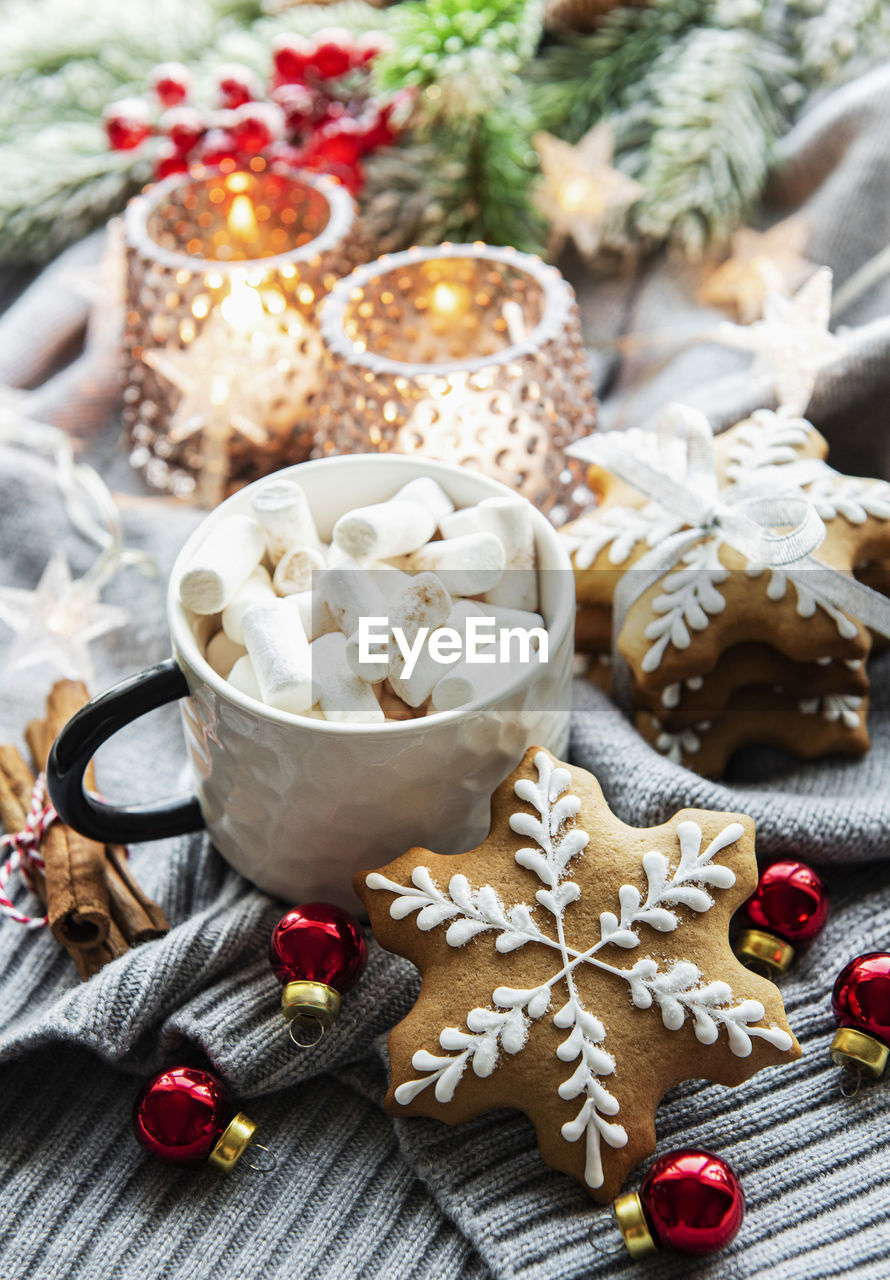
(756, 516)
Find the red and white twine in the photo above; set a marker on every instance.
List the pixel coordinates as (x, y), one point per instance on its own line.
(25, 856)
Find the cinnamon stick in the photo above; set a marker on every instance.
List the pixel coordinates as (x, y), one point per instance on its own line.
(95, 907)
(18, 775)
(135, 914)
(76, 890)
(89, 960)
(35, 736)
(16, 785)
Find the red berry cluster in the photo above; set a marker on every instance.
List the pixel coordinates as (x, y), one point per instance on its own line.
(316, 113)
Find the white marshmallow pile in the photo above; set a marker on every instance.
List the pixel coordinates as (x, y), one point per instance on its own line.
(297, 624)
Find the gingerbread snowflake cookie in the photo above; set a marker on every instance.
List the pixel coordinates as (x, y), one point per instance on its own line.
(715, 596)
(575, 968)
(808, 728)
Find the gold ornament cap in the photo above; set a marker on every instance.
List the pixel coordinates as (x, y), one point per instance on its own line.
(632, 1224)
(232, 1143)
(314, 1000)
(859, 1051)
(760, 950)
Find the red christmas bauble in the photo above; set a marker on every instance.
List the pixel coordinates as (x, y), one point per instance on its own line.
(127, 124)
(693, 1201)
(332, 148)
(256, 125)
(302, 107)
(790, 901)
(332, 55)
(318, 942)
(237, 85)
(861, 996)
(180, 1114)
(172, 83)
(374, 127)
(368, 47)
(291, 55)
(219, 147)
(184, 126)
(171, 160)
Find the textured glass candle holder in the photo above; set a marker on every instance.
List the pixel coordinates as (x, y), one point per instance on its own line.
(222, 356)
(466, 353)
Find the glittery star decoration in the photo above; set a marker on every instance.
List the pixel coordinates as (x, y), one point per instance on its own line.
(581, 189)
(792, 342)
(238, 382)
(56, 622)
(760, 262)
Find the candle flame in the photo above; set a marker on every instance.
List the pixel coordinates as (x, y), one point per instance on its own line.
(242, 219)
(448, 300)
(242, 307)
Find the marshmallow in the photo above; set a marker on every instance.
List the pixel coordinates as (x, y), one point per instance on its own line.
(294, 570)
(504, 616)
(468, 681)
(508, 519)
(243, 678)
(429, 666)
(279, 651)
(458, 523)
(384, 530)
(227, 556)
(222, 653)
(394, 708)
(423, 603)
(314, 614)
(258, 586)
(203, 627)
(372, 672)
(468, 565)
(342, 695)
(334, 556)
(281, 507)
(429, 494)
(391, 581)
(349, 594)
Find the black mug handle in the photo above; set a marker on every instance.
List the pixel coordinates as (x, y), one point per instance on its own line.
(80, 740)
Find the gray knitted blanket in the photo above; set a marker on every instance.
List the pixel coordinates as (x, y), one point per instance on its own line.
(355, 1193)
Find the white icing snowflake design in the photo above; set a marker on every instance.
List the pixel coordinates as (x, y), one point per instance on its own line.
(682, 742)
(763, 450)
(834, 707)
(679, 991)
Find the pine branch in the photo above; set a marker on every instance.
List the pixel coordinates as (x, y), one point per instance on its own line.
(58, 190)
(834, 38)
(472, 120)
(62, 62)
(579, 81)
(460, 184)
(41, 39)
(462, 58)
(699, 136)
(501, 170)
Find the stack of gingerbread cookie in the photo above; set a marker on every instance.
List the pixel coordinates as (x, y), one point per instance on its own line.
(720, 651)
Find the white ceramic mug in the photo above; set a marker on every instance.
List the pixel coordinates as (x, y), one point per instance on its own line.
(298, 805)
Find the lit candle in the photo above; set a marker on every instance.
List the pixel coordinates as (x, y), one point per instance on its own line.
(467, 353)
(224, 276)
